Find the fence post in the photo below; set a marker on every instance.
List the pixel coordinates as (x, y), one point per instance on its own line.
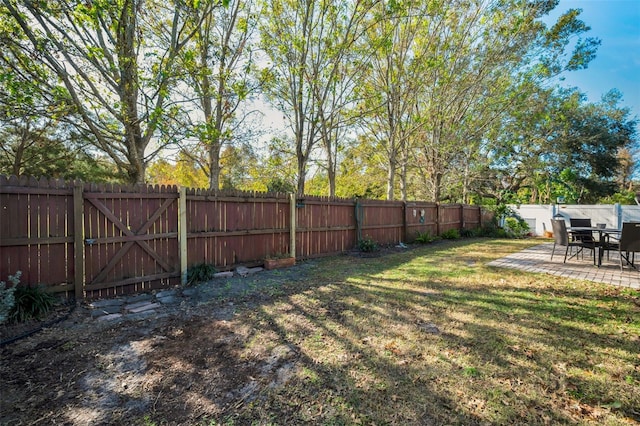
(405, 226)
(437, 219)
(461, 217)
(292, 226)
(359, 216)
(78, 241)
(182, 234)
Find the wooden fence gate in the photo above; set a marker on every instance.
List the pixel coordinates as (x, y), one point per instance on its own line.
(130, 241)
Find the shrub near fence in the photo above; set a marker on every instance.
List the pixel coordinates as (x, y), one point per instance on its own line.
(92, 241)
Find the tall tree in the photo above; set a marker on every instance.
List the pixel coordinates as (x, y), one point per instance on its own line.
(114, 74)
(394, 78)
(218, 66)
(628, 167)
(307, 42)
(487, 56)
(37, 138)
(565, 146)
(467, 57)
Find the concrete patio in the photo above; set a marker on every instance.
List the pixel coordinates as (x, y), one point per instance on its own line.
(538, 259)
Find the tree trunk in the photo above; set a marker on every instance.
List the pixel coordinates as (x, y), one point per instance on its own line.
(331, 174)
(302, 172)
(214, 167)
(391, 176)
(436, 180)
(128, 88)
(403, 181)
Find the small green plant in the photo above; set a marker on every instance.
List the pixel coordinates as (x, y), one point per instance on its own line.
(491, 230)
(468, 233)
(200, 272)
(470, 372)
(451, 234)
(425, 238)
(367, 245)
(146, 421)
(516, 227)
(7, 297)
(31, 303)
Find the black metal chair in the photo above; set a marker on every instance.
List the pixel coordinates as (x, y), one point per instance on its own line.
(627, 245)
(584, 236)
(561, 238)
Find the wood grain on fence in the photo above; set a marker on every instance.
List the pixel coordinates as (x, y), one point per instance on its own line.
(449, 217)
(36, 231)
(93, 241)
(420, 218)
(228, 230)
(382, 221)
(324, 226)
(131, 237)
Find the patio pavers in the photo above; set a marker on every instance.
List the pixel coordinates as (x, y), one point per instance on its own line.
(538, 259)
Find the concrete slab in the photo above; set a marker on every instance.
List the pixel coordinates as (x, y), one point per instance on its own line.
(110, 317)
(538, 259)
(141, 307)
(106, 310)
(227, 274)
(139, 298)
(99, 304)
(166, 293)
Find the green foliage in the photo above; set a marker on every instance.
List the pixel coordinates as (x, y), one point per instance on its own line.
(500, 210)
(470, 372)
(491, 230)
(7, 297)
(468, 233)
(200, 272)
(557, 144)
(451, 234)
(190, 86)
(425, 238)
(367, 245)
(182, 172)
(278, 184)
(31, 303)
(516, 227)
(621, 197)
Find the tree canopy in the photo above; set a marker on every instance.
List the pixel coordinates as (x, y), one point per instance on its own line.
(442, 100)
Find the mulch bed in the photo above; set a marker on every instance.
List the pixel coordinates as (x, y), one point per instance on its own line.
(11, 331)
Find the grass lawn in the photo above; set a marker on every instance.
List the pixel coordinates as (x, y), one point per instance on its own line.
(428, 336)
(434, 336)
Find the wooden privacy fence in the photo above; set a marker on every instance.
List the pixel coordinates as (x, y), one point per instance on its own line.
(91, 241)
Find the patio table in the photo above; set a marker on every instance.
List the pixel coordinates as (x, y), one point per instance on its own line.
(602, 234)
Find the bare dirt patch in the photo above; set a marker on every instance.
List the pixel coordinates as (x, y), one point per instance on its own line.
(186, 366)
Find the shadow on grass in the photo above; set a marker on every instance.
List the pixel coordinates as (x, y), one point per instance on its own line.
(427, 336)
(501, 353)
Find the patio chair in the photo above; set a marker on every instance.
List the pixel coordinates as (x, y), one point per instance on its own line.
(584, 236)
(627, 245)
(561, 238)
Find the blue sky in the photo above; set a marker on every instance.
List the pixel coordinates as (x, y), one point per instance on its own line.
(617, 64)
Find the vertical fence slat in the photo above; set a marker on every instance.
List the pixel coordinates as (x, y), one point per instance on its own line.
(292, 225)
(78, 242)
(182, 227)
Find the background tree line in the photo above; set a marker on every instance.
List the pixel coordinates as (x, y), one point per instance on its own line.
(443, 100)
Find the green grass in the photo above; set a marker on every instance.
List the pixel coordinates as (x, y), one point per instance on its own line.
(509, 347)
